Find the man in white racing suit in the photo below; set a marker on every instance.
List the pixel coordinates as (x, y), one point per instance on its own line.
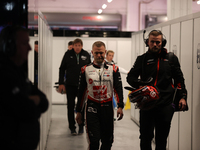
(99, 81)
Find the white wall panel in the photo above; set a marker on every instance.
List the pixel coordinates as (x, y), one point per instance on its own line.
(44, 77)
(173, 136)
(124, 53)
(133, 57)
(124, 61)
(137, 45)
(186, 54)
(112, 45)
(59, 48)
(177, 9)
(87, 44)
(137, 48)
(142, 44)
(166, 35)
(175, 39)
(133, 50)
(196, 88)
(46, 117)
(158, 28)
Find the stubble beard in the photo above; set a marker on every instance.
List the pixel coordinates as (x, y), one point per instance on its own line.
(99, 60)
(154, 50)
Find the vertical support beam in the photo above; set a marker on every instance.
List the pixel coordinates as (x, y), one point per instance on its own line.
(132, 15)
(178, 8)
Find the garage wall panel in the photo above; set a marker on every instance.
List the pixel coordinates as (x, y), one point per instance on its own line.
(175, 41)
(59, 49)
(196, 87)
(186, 54)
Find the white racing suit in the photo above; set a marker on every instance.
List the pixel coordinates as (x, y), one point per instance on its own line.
(99, 83)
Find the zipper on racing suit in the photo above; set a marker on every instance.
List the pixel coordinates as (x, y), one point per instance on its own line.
(100, 76)
(100, 80)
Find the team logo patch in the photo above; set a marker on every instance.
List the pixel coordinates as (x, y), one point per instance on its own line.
(100, 92)
(90, 81)
(106, 75)
(153, 94)
(150, 60)
(106, 72)
(91, 73)
(83, 57)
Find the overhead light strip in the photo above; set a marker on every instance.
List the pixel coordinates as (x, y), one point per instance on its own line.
(104, 6)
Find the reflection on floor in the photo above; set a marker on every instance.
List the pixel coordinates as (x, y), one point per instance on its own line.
(126, 133)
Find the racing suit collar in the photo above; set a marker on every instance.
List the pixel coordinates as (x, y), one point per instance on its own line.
(101, 65)
(109, 62)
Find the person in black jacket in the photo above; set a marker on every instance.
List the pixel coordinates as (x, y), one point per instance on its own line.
(70, 45)
(155, 63)
(71, 64)
(36, 63)
(21, 103)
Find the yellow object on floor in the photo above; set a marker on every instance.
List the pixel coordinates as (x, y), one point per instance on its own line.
(128, 104)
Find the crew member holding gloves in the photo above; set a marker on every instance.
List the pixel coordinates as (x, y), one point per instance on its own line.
(155, 63)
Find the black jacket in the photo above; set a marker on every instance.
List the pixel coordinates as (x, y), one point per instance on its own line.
(19, 116)
(71, 67)
(164, 75)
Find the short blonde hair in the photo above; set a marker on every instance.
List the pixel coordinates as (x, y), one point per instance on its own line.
(98, 44)
(110, 51)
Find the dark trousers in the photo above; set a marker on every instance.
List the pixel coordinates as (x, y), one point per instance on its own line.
(71, 95)
(158, 119)
(99, 125)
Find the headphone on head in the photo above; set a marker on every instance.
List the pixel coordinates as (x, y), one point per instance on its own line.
(164, 41)
(8, 41)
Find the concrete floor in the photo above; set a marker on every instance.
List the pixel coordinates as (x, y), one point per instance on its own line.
(126, 133)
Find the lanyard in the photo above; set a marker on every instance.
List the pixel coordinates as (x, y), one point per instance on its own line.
(77, 57)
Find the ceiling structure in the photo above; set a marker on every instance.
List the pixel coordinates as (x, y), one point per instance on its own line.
(91, 7)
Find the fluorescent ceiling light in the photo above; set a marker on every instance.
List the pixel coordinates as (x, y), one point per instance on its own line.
(109, 1)
(104, 6)
(100, 11)
(99, 17)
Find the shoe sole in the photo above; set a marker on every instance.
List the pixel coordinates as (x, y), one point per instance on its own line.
(80, 133)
